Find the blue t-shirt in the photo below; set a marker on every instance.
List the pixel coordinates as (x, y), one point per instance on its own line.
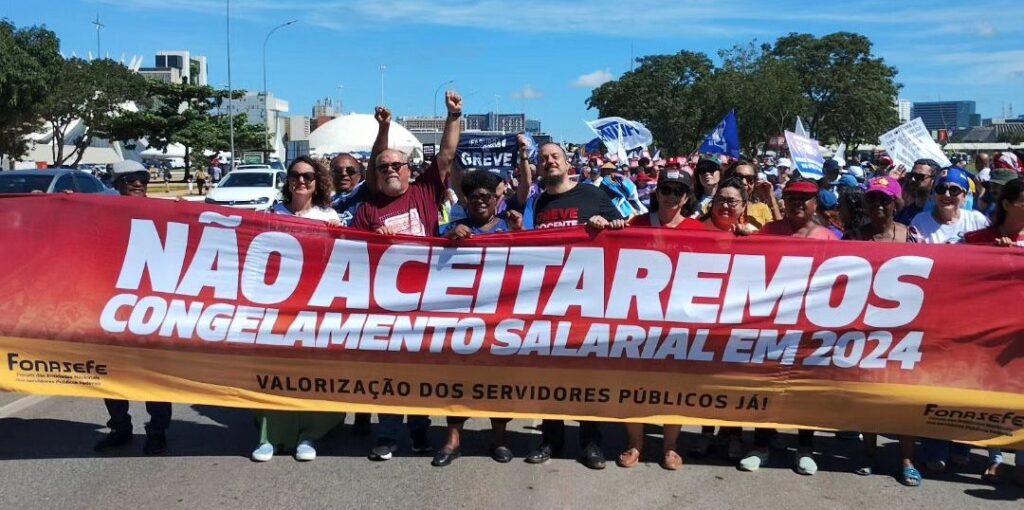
(499, 227)
(348, 203)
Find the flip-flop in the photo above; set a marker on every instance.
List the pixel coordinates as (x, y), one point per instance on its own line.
(910, 477)
(865, 470)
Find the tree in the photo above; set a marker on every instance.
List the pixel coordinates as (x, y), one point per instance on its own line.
(666, 94)
(90, 92)
(27, 57)
(851, 92)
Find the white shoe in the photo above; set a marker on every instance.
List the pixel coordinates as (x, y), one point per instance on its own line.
(754, 460)
(305, 451)
(805, 464)
(263, 453)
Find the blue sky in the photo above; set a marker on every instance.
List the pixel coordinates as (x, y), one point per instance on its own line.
(544, 55)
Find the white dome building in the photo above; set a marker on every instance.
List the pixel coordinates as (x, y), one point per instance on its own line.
(355, 133)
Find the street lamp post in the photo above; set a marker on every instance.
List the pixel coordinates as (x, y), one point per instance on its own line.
(266, 105)
(231, 94)
(382, 68)
(439, 87)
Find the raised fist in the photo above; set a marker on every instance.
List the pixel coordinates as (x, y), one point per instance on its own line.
(453, 101)
(382, 114)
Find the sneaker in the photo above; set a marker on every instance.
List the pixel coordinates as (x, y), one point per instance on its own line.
(384, 449)
(112, 440)
(702, 445)
(263, 453)
(593, 457)
(420, 442)
(156, 444)
(735, 448)
(805, 464)
(754, 460)
(305, 451)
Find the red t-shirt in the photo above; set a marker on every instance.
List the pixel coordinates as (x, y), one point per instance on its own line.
(414, 212)
(988, 236)
(783, 228)
(644, 220)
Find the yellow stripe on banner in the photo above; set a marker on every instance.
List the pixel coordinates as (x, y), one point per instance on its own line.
(89, 370)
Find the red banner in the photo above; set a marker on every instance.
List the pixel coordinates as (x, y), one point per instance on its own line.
(163, 300)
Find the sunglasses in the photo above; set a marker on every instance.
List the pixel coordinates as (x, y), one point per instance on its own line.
(396, 166)
(878, 197)
(306, 177)
(707, 171)
(481, 197)
(948, 190)
(135, 176)
(918, 176)
(676, 191)
(350, 171)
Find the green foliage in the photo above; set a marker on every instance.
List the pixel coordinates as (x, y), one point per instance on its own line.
(1015, 138)
(834, 81)
(26, 56)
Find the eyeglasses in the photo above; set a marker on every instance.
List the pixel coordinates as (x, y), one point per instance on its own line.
(135, 176)
(877, 197)
(481, 197)
(918, 176)
(306, 177)
(749, 178)
(949, 190)
(729, 203)
(676, 191)
(396, 166)
(350, 171)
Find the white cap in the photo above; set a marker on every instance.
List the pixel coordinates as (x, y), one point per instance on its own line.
(856, 171)
(784, 162)
(128, 166)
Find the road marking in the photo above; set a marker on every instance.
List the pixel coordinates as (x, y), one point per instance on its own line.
(21, 404)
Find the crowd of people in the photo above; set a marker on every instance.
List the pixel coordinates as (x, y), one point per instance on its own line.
(871, 200)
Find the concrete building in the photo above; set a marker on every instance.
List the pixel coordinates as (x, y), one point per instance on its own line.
(177, 67)
(949, 115)
(297, 127)
(903, 110)
(265, 111)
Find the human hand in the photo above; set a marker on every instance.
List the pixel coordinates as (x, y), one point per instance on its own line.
(387, 231)
(382, 114)
(334, 222)
(515, 220)
(459, 232)
(453, 101)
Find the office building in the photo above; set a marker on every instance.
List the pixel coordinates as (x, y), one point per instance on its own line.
(948, 115)
(177, 67)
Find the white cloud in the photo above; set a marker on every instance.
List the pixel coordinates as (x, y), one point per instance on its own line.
(528, 92)
(593, 80)
(985, 29)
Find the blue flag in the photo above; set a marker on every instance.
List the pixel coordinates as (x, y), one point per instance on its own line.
(724, 139)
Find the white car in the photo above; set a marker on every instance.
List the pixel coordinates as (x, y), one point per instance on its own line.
(248, 189)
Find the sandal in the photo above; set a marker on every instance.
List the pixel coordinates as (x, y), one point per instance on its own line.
(629, 458)
(911, 477)
(867, 467)
(671, 460)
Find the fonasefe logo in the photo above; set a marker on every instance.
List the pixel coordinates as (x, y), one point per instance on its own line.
(15, 363)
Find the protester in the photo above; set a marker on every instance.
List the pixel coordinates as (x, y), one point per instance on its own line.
(672, 205)
(1007, 227)
(728, 209)
(948, 221)
(306, 194)
(852, 213)
(623, 193)
(563, 203)
(131, 179)
(762, 207)
(828, 212)
(709, 172)
(397, 206)
(800, 201)
(918, 185)
(880, 208)
(347, 175)
(988, 202)
(202, 177)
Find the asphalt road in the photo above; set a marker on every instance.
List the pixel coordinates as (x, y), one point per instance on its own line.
(46, 461)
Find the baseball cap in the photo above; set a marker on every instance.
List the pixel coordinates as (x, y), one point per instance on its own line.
(828, 199)
(885, 185)
(830, 165)
(784, 162)
(127, 166)
(846, 180)
(800, 186)
(954, 175)
(674, 175)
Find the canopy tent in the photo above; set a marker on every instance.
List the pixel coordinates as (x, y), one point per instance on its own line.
(356, 133)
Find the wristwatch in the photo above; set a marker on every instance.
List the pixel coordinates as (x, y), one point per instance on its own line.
(454, 115)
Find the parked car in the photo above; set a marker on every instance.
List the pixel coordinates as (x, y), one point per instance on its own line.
(254, 167)
(256, 189)
(51, 180)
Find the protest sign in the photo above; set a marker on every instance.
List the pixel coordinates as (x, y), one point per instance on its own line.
(495, 153)
(724, 138)
(910, 142)
(185, 302)
(806, 155)
(620, 135)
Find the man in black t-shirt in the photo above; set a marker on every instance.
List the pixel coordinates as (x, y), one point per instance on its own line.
(565, 203)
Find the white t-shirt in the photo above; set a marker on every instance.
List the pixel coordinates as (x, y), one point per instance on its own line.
(316, 213)
(924, 228)
(985, 174)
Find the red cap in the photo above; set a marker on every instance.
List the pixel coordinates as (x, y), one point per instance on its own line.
(800, 187)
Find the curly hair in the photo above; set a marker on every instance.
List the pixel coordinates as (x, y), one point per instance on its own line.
(478, 179)
(322, 191)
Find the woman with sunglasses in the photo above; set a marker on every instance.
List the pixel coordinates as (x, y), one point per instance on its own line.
(480, 188)
(949, 220)
(307, 192)
(306, 195)
(729, 209)
(707, 173)
(671, 207)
